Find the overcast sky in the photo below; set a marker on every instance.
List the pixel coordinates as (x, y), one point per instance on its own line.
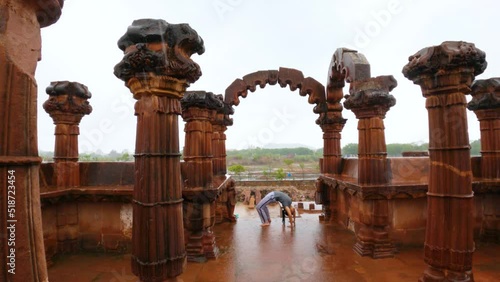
(243, 36)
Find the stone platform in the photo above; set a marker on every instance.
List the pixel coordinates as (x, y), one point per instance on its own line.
(313, 251)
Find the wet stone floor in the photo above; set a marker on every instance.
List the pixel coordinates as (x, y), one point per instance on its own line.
(310, 252)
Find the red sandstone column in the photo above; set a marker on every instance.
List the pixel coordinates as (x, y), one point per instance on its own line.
(220, 124)
(22, 253)
(486, 105)
(332, 123)
(157, 68)
(370, 100)
(445, 73)
(198, 111)
(67, 105)
(226, 201)
(332, 126)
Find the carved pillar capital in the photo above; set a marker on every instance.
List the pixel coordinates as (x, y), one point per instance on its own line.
(68, 102)
(370, 97)
(157, 58)
(200, 100)
(446, 68)
(485, 95)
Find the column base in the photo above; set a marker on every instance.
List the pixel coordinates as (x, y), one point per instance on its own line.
(195, 249)
(210, 249)
(374, 243)
(432, 274)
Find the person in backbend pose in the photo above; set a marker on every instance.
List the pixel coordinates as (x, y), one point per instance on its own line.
(272, 197)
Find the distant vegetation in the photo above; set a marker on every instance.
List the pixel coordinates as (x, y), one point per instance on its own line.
(299, 159)
(396, 149)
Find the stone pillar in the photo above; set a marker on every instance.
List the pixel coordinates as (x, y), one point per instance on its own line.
(220, 124)
(226, 201)
(157, 69)
(22, 253)
(445, 73)
(332, 123)
(332, 126)
(67, 105)
(198, 110)
(370, 100)
(486, 105)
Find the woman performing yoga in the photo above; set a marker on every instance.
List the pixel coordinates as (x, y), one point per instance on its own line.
(272, 197)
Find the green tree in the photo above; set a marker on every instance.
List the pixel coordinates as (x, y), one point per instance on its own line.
(237, 169)
(350, 149)
(279, 174)
(302, 167)
(475, 148)
(288, 163)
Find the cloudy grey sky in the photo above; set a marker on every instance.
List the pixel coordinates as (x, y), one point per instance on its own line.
(243, 36)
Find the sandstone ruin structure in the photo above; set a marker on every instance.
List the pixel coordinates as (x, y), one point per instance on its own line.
(164, 210)
(19, 160)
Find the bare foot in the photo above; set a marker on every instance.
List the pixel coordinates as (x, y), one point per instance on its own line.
(265, 224)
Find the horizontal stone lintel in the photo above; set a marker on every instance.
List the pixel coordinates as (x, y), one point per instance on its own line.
(399, 191)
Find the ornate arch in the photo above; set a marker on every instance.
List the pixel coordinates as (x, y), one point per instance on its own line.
(284, 76)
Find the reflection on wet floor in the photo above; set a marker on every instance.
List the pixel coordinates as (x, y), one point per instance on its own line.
(248, 252)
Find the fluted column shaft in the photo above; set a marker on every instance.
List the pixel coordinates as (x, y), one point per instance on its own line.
(445, 74)
(332, 151)
(489, 120)
(372, 151)
(22, 252)
(157, 231)
(219, 149)
(198, 149)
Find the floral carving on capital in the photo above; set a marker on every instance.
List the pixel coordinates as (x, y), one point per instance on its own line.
(159, 48)
(447, 57)
(68, 98)
(485, 94)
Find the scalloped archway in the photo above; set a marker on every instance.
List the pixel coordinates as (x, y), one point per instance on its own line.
(284, 76)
